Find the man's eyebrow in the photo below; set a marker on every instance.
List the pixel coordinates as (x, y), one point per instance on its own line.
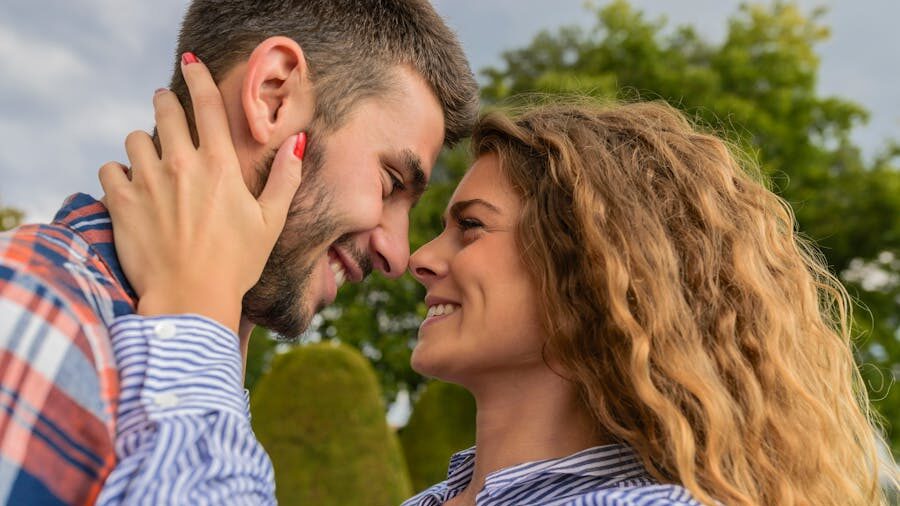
(416, 182)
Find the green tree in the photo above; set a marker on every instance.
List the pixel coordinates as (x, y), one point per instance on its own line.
(10, 217)
(320, 416)
(260, 352)
(442, 424)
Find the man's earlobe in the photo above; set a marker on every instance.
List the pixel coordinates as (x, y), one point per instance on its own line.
(273, 82)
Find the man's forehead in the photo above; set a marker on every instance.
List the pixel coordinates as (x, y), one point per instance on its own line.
(409, 96)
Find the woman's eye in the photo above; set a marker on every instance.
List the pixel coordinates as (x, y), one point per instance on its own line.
(471, 229)
(469, 224)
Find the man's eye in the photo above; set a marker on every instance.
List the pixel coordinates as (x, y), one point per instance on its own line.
(396, 184)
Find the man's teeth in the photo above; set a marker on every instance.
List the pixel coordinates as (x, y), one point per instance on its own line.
(340, 275)
(441, 309)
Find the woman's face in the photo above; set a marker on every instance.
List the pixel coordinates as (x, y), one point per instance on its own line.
(482, 305)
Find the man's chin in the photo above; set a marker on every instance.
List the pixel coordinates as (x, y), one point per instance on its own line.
(285, 333)
(288, 323)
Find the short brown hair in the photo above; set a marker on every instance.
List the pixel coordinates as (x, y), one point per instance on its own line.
(351, 48)
(677, 295)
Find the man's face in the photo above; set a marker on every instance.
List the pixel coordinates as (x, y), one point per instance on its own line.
(351, 214)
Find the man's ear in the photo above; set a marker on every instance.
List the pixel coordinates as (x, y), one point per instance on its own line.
(275, 83)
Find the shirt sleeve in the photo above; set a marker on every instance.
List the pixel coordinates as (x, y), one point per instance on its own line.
(183, 434)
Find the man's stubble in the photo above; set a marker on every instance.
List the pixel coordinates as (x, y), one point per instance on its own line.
(278, 301)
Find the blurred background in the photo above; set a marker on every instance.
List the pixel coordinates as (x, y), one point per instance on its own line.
(807, 88)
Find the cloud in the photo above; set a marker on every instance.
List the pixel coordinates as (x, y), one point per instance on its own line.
(34, 67)
(42, 163)
(78, 76)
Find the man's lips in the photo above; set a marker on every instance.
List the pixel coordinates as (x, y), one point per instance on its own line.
(352, 268)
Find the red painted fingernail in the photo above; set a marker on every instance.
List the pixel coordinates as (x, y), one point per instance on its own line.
(188, 58)
(300, 147)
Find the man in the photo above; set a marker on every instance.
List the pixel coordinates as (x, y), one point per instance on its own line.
(379, 86)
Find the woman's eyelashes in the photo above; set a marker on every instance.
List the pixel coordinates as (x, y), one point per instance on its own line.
(471, 228)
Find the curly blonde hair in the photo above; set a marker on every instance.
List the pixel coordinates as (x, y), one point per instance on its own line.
(699, 328)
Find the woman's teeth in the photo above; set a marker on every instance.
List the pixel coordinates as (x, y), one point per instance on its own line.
(340, 275)
(441, 309)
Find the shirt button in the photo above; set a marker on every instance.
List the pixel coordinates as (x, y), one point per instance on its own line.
(166, 400)
(165, 330)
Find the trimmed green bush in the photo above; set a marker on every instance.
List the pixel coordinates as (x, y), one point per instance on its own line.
(442, 423)
(319, 414)
(259, 356)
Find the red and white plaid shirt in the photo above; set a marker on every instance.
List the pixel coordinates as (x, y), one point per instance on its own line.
(170, 425)
(60, 288)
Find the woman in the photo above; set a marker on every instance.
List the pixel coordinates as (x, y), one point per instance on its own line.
(610, 276)
(634, 314)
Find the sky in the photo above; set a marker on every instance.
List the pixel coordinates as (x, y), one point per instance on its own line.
(76, 76)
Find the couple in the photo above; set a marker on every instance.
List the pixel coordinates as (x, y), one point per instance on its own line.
(634, 314)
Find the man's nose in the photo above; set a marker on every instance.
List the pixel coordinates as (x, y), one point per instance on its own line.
(390, 249)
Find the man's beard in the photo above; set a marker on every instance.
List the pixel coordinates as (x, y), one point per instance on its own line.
(278, 301)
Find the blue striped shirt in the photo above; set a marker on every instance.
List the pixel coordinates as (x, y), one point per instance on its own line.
(610, 475)
(96, 401)
(183, 434)
(160, 401)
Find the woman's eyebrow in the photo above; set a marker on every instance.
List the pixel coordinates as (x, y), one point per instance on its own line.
(459, 207)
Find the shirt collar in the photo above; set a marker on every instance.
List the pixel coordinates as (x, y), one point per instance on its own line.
(607, 463)
(88, 218)
(460, 460)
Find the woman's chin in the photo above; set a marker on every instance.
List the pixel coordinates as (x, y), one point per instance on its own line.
(419, 363)
(424, 362)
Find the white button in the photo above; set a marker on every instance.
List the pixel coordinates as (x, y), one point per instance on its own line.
(165, 330)
(166, 400)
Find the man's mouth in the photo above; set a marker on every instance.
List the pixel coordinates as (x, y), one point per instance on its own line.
(340, 273)
(343, 267)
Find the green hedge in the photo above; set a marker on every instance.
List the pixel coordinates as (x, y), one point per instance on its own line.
(319, 414)
(260, 352)
(442, 423)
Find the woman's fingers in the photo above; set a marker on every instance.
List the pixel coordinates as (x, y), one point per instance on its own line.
(143, 157)
(209, 110)
(171, 124)
(191, 240)
(114, 178)
(284, 179)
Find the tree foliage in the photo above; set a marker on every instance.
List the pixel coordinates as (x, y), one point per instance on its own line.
(320, 416)
(758, 89)
(10, 217)
(260, 352)
(442, 424)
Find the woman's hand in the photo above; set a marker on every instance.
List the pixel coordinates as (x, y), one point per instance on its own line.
(190, 236)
